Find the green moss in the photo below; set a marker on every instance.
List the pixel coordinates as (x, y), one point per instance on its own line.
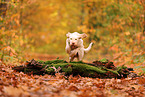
(120, 68)
(55, 61)
(78, 62)
(76, 68)
(50, 71)
(104, 60)
(113, 71)
(68, 71)
(52, 61)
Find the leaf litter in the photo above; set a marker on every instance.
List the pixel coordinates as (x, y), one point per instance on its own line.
(19, 84)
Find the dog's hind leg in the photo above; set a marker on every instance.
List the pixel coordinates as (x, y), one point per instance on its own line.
(89, 48)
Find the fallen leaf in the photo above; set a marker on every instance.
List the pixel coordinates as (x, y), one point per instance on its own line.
(13, 91)
(73, 88)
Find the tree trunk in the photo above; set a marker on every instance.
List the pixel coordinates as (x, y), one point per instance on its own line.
(21, 16)
(3, 8)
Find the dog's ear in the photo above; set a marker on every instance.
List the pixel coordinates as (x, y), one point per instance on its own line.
(83, 35)
(68, 34)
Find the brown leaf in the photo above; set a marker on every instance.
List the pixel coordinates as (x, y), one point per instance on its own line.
(141, 81)
(73, 88)
(12, 91)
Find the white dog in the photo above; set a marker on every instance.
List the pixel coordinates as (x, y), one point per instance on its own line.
(74, 46)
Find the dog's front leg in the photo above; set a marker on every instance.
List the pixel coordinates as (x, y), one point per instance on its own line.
(71, 59)
(72, 54)
(67, 48)
(80, 54)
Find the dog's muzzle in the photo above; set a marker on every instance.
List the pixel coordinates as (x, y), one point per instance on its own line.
(73, 47)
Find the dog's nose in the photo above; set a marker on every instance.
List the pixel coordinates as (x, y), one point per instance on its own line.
(73, 43)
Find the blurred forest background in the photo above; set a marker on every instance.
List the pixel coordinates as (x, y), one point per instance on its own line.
(117, 28)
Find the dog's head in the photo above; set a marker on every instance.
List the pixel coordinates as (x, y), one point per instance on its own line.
(75, 39)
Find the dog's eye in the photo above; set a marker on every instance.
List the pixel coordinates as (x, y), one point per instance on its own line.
(75, 39)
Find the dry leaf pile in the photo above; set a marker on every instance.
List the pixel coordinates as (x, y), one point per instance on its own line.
(15, 84)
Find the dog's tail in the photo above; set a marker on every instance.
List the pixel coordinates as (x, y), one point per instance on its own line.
(89, 48)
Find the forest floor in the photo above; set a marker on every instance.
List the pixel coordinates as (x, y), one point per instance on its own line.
(18, 84)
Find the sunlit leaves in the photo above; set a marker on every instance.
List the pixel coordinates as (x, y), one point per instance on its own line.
(115, 26)
(119, 28)
(19, 84)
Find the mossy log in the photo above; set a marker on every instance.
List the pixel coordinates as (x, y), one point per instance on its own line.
(96, 69)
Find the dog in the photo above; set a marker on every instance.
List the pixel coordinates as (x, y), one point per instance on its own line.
(74, 46)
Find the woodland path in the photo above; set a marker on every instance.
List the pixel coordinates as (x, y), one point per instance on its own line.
(18, 84)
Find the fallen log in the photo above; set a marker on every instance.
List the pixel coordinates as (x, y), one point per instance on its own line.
(99, 69)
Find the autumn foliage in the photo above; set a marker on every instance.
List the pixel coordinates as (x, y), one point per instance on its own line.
(36, 29)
